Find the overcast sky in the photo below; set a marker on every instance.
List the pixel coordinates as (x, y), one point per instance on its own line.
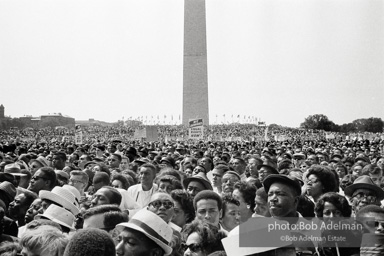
(279, 61)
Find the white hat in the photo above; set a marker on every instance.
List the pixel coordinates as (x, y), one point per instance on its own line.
(59, 215)
(75, 192)
(61, 196)
(153, 227)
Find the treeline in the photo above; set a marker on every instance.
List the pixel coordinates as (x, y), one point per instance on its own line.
(321, 122)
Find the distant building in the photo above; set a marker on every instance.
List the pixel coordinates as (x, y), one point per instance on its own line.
(2, 111)
(91, 122)
(58, 118)
(133, 123)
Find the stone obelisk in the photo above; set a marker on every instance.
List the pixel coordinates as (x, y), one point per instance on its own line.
(195, 80)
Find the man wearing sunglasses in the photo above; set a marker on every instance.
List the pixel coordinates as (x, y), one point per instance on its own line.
(372, 241)
(43, 179)
(364, 192)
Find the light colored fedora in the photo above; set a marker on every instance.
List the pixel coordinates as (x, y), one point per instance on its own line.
(14, 169)
(62, 197)
(41, 160)
(59, 215)
(75, 192)
(153, 227)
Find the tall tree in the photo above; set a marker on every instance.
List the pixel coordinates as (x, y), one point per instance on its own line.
(318, 122)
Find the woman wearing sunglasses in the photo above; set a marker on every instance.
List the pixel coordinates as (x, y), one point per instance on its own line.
(201, 239)
(163, 206)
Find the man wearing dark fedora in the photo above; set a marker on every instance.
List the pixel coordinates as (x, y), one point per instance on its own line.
(196, 183)
(283, 193)
(267, 168)
(364, 192)
(167, 162)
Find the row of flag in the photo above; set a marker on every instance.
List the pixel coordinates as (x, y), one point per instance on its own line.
(171, 119)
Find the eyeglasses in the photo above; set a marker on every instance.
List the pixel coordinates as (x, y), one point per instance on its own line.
(157, 204)
(375, 223)
(38, 177)
(191, 247)
(361, 195)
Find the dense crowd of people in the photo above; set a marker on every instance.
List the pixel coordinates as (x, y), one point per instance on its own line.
(113, 195)
(243, 132)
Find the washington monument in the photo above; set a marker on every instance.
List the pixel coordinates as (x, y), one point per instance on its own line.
(195, 80)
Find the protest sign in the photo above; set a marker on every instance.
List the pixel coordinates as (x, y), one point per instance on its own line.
(196, 129)
(78, 135)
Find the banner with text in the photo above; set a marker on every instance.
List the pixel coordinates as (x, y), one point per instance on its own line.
(196, 129)
(78, 135)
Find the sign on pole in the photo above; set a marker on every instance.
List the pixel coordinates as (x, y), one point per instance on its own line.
(78, 135)
(196, 129)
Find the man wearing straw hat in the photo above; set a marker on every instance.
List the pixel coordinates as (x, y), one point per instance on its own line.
(61, 197)
(15, 170)
(146, 234)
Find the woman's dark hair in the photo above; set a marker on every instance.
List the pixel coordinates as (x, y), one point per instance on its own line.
(354, 165)
(186, 203)
(210, 236)
(132, 174)
(122, 179)
(325, 175)
(228, 199)
(306, 207)
(176, 184)
(170, 171)
(339, 201)
(337, 187)
(342, 166)
(103, 168)
(248, 192)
